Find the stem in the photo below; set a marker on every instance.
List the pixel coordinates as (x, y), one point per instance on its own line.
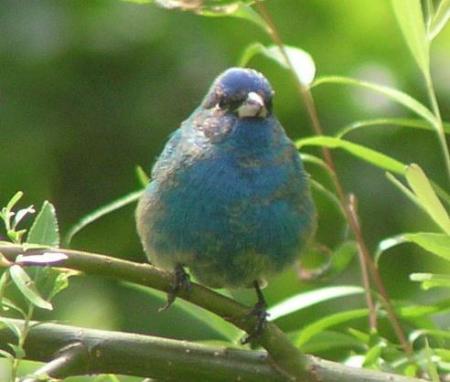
(23, 336)
(70, 360)
(284, 355)
(308, 100)
(439, 127)
(99, 351)
(364, 272)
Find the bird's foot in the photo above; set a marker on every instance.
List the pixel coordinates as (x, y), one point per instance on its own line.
(260, 312)
(181, 282)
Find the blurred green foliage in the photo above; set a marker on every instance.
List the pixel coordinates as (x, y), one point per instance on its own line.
(89, 90)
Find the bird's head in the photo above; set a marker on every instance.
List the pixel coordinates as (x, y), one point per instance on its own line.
(243, 92)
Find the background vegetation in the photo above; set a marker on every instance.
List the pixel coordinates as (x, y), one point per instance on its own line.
(89, 90)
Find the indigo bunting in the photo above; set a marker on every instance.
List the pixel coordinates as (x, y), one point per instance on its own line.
(228, 196)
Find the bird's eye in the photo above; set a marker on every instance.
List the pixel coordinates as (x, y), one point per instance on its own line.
(230, 104)
(222, 104)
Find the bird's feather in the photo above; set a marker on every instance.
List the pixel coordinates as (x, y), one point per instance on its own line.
(229, 197)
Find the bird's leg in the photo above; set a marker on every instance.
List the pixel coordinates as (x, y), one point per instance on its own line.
(260, 312)
(181, 281)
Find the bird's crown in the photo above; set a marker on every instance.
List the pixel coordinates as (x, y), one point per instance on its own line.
(243, 91)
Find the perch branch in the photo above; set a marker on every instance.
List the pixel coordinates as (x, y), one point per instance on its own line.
(284, 355)
(170, 360)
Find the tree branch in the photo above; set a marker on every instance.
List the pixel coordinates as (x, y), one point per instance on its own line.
(284, 355)
(167, 359)
(70, 360)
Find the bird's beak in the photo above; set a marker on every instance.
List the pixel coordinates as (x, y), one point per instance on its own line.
(253, 106)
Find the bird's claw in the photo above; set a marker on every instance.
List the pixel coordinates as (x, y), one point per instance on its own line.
(181, 282)
(260, 312)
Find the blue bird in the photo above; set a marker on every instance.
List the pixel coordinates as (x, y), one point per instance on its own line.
(228, 196)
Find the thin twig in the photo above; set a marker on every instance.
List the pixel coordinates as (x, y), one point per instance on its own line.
(68, 361)
(308, 100)
(364, 273)
(25, 328)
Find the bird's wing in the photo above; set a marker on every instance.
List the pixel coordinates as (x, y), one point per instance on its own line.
(168, 154)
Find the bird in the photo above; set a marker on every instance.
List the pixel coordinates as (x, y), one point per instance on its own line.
(228, 197)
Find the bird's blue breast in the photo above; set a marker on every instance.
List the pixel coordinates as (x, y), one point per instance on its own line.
(233, 211)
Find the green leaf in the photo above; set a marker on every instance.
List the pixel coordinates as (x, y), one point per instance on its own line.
(411, 312)
(11, 326)
(444, 195)
(21, 214)
(108, 378)
(16, 236)
(431, 366)
(214, 8)
(6, 212)
(410, 370)
(439, 191)
(8, 304)
(308, 158)
(329, 340)
(315, 185)
(237, 9)
(373, 355)
(4, 262)
(307, 299)
(431, 280)
(142, 176)
(342, 256)
(190, 5)
(139, 1)
(250, 51)
(387, 244)
(440, 19)
(394, 94)
(19, 351)
(426, 196)
(443, 353)
(429, 11)
(5, 354)
(374, 157)
(4, 281)
(360, 335)
(100, 212)
(13, 201)
(194, 5)
(410, 17)
(405, 190)
(27, 287)
(301, 61)
(388, 122)
(322, 324)
(415, 335)
(437, 243)
(60, 282)
(216, 323)
(45, 229)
